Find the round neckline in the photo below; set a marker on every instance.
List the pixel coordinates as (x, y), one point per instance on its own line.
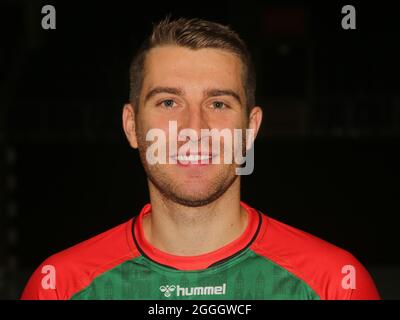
(196, 262)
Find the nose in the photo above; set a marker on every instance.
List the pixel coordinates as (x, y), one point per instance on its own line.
(194, 119)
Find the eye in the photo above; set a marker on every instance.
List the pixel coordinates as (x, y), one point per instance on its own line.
(169, 103)
(218, 105)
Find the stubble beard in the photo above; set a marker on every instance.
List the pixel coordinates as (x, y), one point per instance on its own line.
(173, 191)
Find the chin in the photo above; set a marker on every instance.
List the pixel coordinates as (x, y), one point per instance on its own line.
(193, 192)
(193, 202)
(197, 195)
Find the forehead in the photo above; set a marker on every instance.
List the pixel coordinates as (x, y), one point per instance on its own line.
(185, 67)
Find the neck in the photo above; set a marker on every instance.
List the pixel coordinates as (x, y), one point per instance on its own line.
(189, 231)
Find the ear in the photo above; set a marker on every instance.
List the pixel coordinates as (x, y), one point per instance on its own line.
(255, 119)
(128, 122)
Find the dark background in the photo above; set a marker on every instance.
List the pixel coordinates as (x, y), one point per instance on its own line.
(326, 161)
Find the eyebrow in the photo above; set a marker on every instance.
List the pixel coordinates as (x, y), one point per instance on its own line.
(222, 92)
(157, 90)
(180, 92)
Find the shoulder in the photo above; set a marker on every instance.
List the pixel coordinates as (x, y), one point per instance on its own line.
(332, 272)
(69, 271)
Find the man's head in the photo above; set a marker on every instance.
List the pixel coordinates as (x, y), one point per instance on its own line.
(198, 74)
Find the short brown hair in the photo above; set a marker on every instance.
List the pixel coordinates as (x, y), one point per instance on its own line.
(193, 34)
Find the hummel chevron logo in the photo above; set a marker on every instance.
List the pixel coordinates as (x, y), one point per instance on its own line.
(167, 290)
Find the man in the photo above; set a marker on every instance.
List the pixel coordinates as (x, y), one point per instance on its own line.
(196, 239)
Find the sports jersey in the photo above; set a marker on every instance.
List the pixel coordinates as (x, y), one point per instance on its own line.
(269, 260)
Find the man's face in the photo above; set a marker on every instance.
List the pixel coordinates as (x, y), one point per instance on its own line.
(199, 89)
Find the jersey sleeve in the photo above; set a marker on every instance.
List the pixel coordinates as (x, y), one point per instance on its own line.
(363, 288)
(331, 272)
(340, 276)
(343, 277)
(58, 277)
(42, 284)
(67, 272)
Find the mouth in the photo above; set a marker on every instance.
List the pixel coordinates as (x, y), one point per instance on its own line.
(190, 159)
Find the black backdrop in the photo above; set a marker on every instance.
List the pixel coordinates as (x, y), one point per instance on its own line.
(326, 162)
